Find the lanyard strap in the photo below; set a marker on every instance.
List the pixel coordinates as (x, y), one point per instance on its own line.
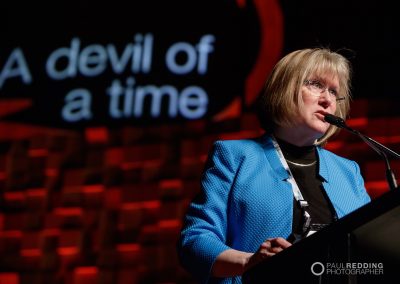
(295, 188)
(296, 191)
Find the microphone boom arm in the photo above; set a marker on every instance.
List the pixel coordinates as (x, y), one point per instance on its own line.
(378, 147)
(375, 145)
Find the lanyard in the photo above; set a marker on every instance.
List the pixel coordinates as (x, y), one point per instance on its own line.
(295, 188)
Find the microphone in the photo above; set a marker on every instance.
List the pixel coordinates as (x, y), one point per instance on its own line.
(375, 145)
(335, 120)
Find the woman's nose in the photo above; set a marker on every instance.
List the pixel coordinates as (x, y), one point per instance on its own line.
(326, 99)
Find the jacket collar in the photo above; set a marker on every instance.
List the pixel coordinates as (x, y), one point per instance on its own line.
(278, 169)
(323, 164)
(272, 156)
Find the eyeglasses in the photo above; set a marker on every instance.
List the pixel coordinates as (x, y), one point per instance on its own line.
(319, 87)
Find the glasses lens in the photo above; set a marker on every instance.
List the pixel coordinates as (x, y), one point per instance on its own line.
(315, 86)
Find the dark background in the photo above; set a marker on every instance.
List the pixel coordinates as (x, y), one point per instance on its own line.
(102, 201)
(367, 31)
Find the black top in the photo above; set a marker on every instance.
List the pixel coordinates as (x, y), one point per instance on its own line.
(304, 165)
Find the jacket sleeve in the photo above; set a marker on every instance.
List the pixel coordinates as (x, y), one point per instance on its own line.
(203, 236)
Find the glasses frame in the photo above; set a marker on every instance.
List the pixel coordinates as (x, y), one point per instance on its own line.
(312, 84)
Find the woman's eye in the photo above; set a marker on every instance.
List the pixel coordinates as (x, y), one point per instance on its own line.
(333, 92)
(317, 84)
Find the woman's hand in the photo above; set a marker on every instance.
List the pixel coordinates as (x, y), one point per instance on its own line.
(268, 248)
(233, 262)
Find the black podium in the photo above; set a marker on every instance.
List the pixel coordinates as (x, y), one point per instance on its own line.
(362, 247)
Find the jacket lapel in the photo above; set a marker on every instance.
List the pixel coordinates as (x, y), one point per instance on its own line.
(323, 165)
(272, 156)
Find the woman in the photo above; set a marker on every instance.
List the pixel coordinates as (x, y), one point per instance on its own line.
(260, 195)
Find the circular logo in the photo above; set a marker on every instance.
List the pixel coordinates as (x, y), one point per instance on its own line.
(316, 272)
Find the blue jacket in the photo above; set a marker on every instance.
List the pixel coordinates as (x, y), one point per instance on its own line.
(246, 199)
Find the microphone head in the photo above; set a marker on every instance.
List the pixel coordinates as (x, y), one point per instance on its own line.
(335, 120)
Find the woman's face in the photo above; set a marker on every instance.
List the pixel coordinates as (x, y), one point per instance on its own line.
(319, 97)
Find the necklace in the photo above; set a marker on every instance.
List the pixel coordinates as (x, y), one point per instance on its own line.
(301, 165)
